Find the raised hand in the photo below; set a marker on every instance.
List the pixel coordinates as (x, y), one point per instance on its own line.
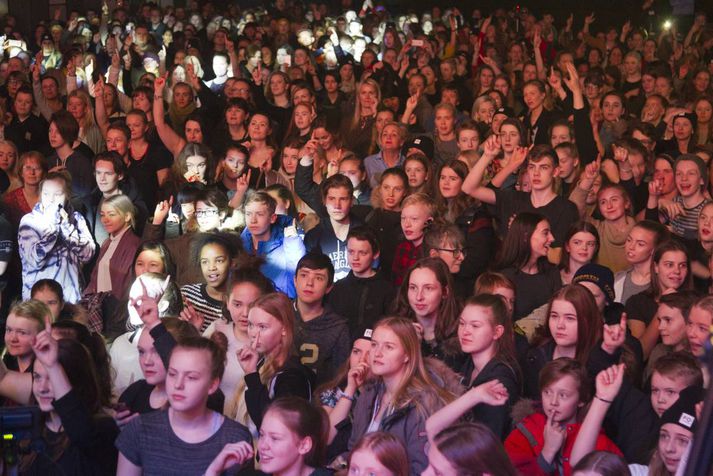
(115, 60)
(569, 22)
(159, 84)
(626, 27)
(356, 377)
(248, 357)
(554, 80)
(257, 75)
(537, 38)
(591, 171)
(412, 102)
(232, 454)
(571, 79)
(519, 155)
(655, 188)
(491, 393)
(192, 77)
(589, 19)
(45, 346)
(190, 314)
(491, 147)
(609, 382)
(614, 336)
(99, 88)
(146, 306)
(162, 210)
(89, 69)
(243, 182)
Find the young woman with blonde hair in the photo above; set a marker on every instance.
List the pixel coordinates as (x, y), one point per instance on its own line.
(271, 369)
(406, 390)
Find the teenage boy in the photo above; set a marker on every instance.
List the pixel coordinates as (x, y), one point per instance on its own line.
(333, 205)
(275, 239)
(110, 176)
(321, 336)
(365, 295)
(671, 374)
(542, 169)
(681, 214)
(417, 213)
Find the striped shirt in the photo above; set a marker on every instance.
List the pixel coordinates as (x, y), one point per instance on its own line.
(686, 224)
(197, 296)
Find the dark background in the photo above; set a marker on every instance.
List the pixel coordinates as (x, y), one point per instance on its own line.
(608, 12)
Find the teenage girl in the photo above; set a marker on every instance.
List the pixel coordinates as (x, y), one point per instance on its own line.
(404, 392)
(271, 368)
(292, 442)
(245, 287)
(427, 297)
(467, 448)
(188, 435)
(215, 253)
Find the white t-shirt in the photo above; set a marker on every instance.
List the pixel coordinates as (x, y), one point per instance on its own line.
(124, 355)
(638, 470)
(233, 374)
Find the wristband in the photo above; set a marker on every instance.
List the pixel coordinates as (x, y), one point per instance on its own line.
(157, 97)
(603, 400)
(341, 394)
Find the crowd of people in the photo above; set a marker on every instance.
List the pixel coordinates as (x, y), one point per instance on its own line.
(309, 238)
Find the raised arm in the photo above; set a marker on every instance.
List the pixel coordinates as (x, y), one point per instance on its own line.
(14, 385)
(491, 393)
(608, 383)
(586, 181)
(340, 412)
(472, 185)
(539, 62)
(517, 158)
(100, 107)
(40, 100)
(173, 142)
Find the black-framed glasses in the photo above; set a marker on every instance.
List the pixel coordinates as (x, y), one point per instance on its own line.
(206, 213)
(456, 251)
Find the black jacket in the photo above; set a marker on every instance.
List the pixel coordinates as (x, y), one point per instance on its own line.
(387, 226)
(362, 301)
(496, 418)
(91, 206)
(480, 248)
(91, 448)
(322, 238)
(537, 357)
(292, 380)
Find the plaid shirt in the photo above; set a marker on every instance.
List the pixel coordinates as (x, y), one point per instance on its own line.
(406, 255)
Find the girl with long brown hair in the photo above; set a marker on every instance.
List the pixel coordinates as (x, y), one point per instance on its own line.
(428, 299)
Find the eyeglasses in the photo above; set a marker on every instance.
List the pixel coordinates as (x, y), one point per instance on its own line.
(456, 251)
(29, 168)
(206, 213)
